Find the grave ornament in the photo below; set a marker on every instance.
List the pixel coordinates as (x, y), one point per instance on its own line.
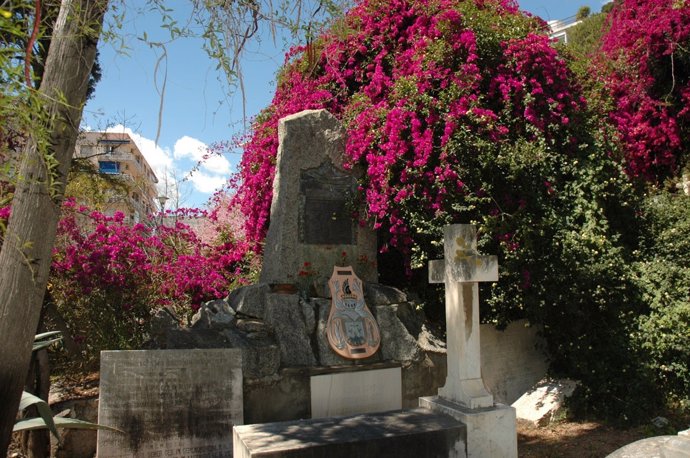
(351, 328)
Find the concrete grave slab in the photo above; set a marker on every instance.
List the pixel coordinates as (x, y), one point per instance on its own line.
(356, 392)
(175, 403)
(414, 433)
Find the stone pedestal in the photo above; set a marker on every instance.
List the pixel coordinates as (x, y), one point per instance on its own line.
(490, 431)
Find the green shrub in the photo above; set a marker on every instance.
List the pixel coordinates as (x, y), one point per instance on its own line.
(663, 275)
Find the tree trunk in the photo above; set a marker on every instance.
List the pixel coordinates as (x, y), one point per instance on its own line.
(26, 251)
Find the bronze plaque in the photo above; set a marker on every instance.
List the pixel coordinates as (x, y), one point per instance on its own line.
(351, 329)
(324, 216)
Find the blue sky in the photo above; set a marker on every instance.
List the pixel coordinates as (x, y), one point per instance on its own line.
(198, 107)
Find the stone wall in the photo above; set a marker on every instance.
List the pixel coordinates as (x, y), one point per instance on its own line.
(513, 360)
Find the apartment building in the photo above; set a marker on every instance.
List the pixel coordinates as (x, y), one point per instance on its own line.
(115, 154)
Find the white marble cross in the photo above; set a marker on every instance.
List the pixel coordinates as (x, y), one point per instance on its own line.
(461, 270)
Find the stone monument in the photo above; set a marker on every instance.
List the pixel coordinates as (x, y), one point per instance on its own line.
(311, 211)
(491, 429)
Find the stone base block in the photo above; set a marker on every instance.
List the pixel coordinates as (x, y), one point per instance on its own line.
(417, 433)
(491, 431)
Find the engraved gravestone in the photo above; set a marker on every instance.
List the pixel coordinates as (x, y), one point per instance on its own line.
(311, 211)
(170, 403)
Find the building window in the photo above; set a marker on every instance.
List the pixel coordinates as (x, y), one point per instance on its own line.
(109, 167)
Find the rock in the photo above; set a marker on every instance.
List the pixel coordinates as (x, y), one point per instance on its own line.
(542, 403)
(660, 422)
(397, 343)
(410, 317)
(309, 315)
(254, 328)
(249, 300)
(216, 314)
(422, 378)
(260, 354)
(377, 294)
(321, 288)
(162, 322)
(195, 338)
(430, 342)
(77, 443)
(284, 315)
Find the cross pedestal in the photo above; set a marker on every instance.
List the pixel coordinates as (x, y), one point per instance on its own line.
(490, 427)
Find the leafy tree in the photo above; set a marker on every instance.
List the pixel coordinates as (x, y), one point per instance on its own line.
(583, 13)
(55, 111)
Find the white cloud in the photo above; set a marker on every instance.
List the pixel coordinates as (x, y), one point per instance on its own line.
(205, 183)
(196, 150)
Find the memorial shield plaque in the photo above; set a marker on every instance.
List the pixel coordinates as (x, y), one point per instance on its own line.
(351, 329)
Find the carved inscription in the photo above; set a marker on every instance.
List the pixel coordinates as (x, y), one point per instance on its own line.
(177, 403)
(324, 216)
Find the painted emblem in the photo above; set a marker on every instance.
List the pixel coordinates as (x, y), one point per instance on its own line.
(351, 329)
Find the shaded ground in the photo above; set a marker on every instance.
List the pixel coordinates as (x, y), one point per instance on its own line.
(574, 440)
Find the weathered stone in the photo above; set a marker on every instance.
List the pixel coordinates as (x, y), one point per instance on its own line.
(253, 328)
(195, 338)
(161, 323)
(463, 269)
(309, 315)
(321, 288)
(541, 404)
(260, 353)
(422, 378)
(284, 314)
(249, 300)
(397, 343)
(310, 222)
(377, 294)
(169, 400)
(429, 341)
(77, 443)
(216, 314)
(410, 317)
(512, 360)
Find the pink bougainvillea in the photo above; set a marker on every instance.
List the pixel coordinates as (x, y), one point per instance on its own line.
(420, 85)
(170, 264)
(648, 43)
